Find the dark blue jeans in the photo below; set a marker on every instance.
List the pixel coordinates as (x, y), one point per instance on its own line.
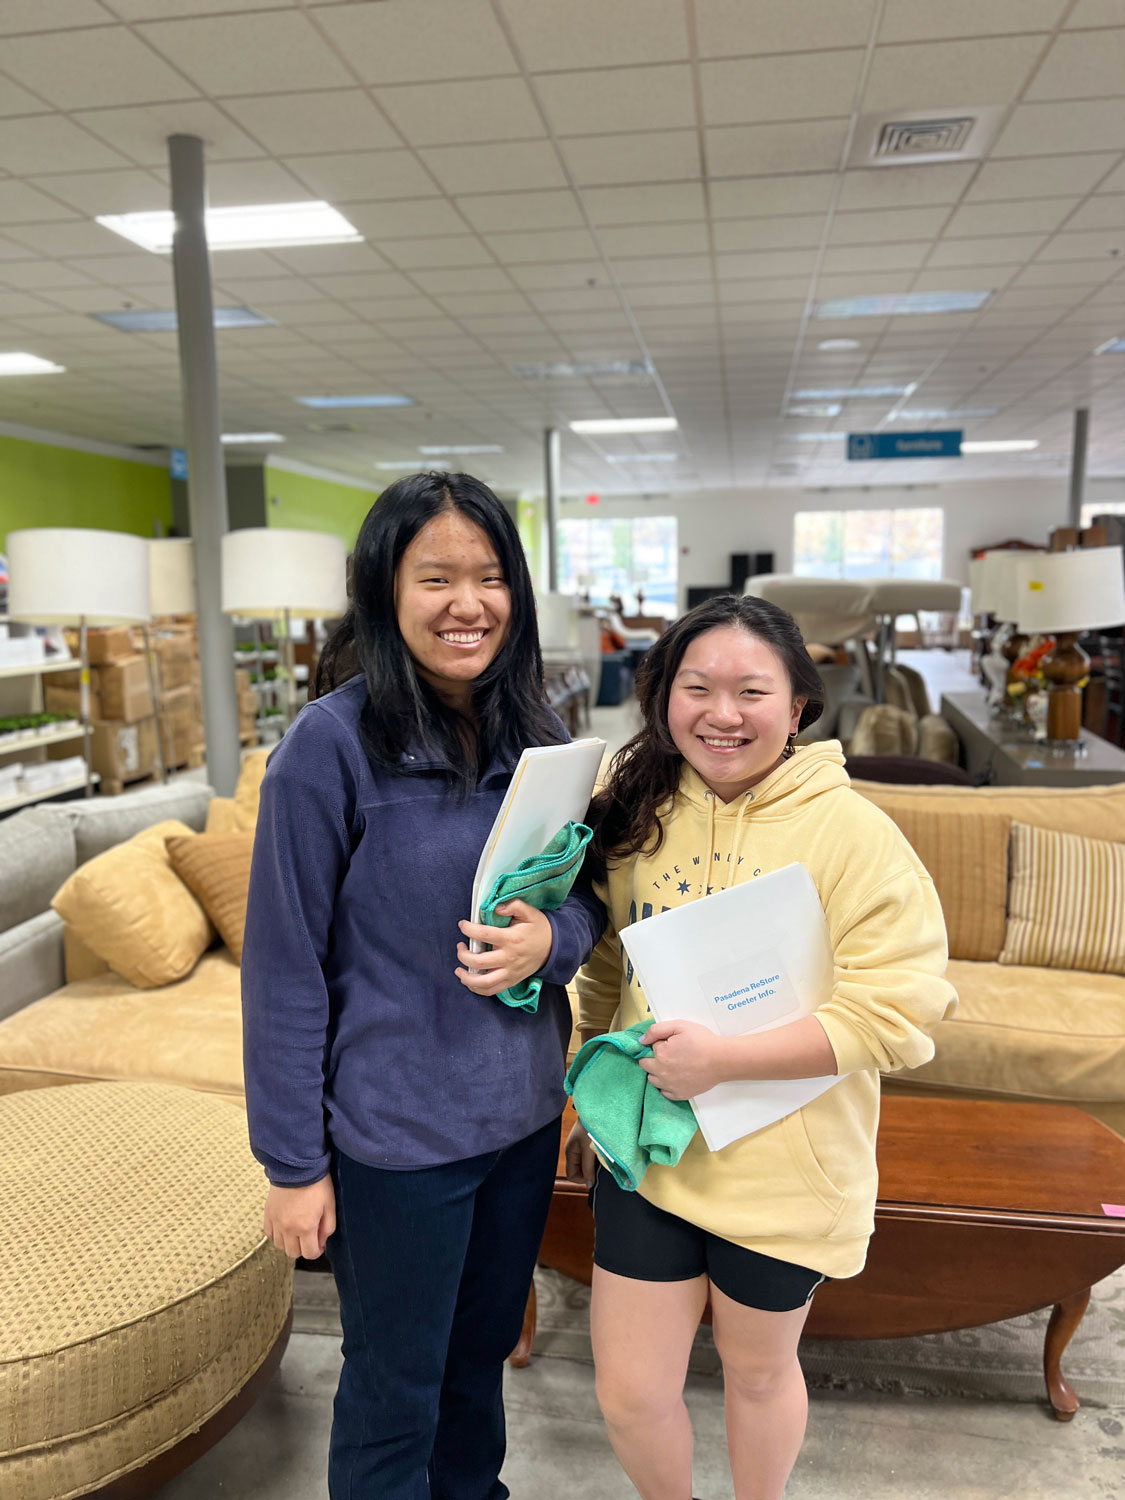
(433, 1268)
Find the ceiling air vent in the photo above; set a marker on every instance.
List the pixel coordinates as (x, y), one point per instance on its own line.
(913, 138)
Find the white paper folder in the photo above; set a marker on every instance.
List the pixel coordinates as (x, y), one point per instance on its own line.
(550, 787)
(750, 958)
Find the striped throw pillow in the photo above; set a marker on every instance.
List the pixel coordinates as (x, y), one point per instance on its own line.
(1066, 902)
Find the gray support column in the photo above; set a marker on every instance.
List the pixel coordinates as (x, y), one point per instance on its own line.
(207, 492)
(1078, 465)
(551, 458)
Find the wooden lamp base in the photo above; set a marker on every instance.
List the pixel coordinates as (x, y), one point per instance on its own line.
(1064, 668)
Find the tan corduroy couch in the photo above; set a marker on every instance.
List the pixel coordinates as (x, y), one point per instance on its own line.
(1045, 1034)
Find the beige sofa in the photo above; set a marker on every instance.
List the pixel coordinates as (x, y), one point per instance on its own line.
(1043, 1034)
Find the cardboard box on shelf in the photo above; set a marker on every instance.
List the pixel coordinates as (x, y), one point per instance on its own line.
(178, 672)
(125, 690)
(123, 752)
(66, 698)
(242, 680)
(177, 645)
(181, 724)
(108, 644)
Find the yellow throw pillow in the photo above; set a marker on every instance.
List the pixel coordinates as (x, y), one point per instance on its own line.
(135, 912)
(1066, 902)
(216, 867)
(249, 785)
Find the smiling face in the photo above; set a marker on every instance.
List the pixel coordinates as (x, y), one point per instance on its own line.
(452, 604)
(731, 709)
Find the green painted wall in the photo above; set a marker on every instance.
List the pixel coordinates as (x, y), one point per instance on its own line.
(45, 486)
(308, 504)
(531, 518)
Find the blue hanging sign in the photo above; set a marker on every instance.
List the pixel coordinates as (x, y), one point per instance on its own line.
(178, 465)
(863, 447)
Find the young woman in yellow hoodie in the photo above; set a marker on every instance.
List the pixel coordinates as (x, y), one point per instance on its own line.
(711, 792)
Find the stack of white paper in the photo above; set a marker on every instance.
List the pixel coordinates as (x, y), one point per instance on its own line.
(750, 958)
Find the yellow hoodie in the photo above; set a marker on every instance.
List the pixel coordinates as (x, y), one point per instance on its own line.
(803, 1189)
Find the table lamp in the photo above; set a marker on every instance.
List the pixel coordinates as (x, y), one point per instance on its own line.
(1062, 594)
(995, 592)
(172, 576)
(280, 574)
(61, 575)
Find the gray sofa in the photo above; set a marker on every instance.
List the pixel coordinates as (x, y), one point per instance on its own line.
(40, 847)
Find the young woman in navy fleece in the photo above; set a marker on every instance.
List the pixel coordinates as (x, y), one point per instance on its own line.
(408, 1121)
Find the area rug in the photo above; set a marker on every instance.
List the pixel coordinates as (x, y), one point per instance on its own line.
(1002, 1361)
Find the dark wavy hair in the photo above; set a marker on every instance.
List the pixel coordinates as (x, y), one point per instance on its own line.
(402, 710)
(644, 774)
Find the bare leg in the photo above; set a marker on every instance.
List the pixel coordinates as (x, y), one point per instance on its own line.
(1065, 1318)
(520, 1356)
(766, 1401)
(642, 1333)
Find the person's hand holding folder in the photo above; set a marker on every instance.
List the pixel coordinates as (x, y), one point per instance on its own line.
(518, 950)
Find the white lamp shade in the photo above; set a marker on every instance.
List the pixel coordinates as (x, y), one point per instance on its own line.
(976, 585)
(172, 576)
(825, 609)
(897, 596)
(62, 575)
(997, 592)
(1081, 590)
(270, 569)
(558, 621)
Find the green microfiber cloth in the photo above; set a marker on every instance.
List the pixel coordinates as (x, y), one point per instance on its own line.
(544, 881)
(626, 1116)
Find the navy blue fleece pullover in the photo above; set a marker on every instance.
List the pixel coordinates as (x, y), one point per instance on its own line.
(357, 1034)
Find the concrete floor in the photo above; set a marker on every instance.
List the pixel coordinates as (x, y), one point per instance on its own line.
(859, 1446)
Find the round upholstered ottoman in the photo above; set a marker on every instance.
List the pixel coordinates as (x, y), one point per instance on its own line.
(141, 1310)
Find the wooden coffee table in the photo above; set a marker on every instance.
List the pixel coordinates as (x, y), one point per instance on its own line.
(986, 1211)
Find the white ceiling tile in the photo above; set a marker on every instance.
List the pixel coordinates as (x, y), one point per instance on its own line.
(1095, 13)
(761, 197)
(20, 203)
(141, 132)
(905, 187)
(403, 219)
(262, 291)
(618, 100)
(326, 260)
(406, 41)
(875, 226)
(645, 204)
(1106, 212)
(507, 211)
(51, 15)
(781, 233)
(377, 309)
(82, 69)
(1075, 126)
(1082, 65)
(646, 270)
(656, 156)
(950, 75)
(460, 113)
(1109, 243)
(1065, 273)
(137, 269)
(448, 250)
(232, 183)
(41, 143)
(1114, 182)
(233, 54)
(874, 257)
(742, 150)
(765, 263)
(495, 169)
(809, 85)
(860, 285)
(1044, 214)
(922, 21)
(656, 239)
(467, 279)
(361, 176)
(545, 246)
(731, 27)
(591, 34)
(777, 299)
(301, 123)
(574, 299)
(17, 101)
(30, 275)
(569, 274)
(1002, 181)
(467, 302)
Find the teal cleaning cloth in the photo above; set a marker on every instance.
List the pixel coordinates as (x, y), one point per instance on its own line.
(626, 1116)
(544, 881)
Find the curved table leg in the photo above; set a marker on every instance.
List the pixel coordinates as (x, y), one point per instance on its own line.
(521, 1354)
(1065, 1318)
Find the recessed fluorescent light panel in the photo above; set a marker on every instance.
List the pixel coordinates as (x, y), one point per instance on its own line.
(1111, 346)
(1006, 445)
(163, 320)
(834, 346)
(854, 393)
(642, 458)
(252, 437)
(262, 226)
(594, 370)
(607, 425)
(332, 402)
(939, 413)
(436, 450)
(900, 304)
(810, 437)
(28, 364)
(825, 409)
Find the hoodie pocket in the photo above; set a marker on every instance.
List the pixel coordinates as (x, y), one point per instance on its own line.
(817, 1180)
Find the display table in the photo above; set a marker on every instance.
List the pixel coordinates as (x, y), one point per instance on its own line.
(992, 750)
(985, 1211)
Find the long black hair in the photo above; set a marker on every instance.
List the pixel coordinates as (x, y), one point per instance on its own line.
(644, 774)
(402, 711)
